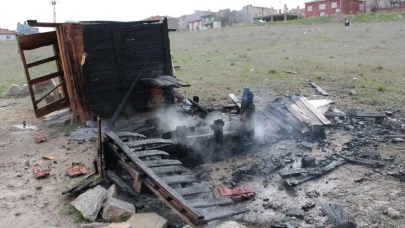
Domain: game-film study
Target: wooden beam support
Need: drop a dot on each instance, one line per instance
(46, 77)
(49, 92)
(50, 59)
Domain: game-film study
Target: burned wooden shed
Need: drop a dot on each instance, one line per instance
(96, 64)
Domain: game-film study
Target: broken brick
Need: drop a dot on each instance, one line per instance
(236, 194)
(40, 138)
(40, 173)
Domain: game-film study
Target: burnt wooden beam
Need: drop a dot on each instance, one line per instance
(124, 100)
(168, 195)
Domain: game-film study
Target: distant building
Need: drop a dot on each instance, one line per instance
(182, 24)
(249, 12)
(194, 25)
(211, 20)
(6, 34)
(331, 7)
(25, 29)
(171, 21)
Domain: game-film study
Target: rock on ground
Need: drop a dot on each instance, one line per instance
(14, 90)
(25, 89)
(83, 134)
(89, 203)
(147, 220)
(221, 224)
(115, 209)
(393, 213)
(112, 191)
(106, 225)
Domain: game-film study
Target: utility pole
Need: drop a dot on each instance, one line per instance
(54, 2)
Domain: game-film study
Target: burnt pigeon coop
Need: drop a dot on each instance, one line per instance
(97, 62)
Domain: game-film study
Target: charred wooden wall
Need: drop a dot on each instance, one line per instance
(115, 54)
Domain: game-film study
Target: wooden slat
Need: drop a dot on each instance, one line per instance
(33, 41)
(287, 118)
(46, 77)
(305, 111)
(54, 106)
(35, 23)
(317, 114)
(50, 59)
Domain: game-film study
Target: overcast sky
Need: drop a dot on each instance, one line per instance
(119, 10)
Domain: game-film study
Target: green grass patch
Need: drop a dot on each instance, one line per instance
(272, 72)
(70, 211)
(381, 88)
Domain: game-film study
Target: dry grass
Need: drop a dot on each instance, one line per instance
(11, 67)
(367, 56)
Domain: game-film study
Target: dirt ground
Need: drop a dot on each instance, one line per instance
(216, 63)
(24, 200)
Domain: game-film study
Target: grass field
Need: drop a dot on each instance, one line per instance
(367, 55)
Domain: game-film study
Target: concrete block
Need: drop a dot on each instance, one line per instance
(89, 203)
(147, 220)
(14, 90)
(115, 209)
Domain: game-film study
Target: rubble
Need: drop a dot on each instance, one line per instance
(236, 193)
(106, 225)
(38, 173)
(83, 134)
(147, 220)
(77, 169)
(337, 216)
(116, 209)
(295, 212)
(89, 203)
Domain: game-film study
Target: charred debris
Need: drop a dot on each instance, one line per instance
(120, 69)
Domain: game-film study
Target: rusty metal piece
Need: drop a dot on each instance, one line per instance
(40, 173)
(236, 194)
(40, 138)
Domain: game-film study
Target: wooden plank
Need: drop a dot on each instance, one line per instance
(46, 77)
(287, 118)
(371, 114)
(33, 41)
(35, 23)
(118, 55)
(235, 100)
(166, 44)
(50, 59)
(317, 114)
(54, 106)
(319, 89)
(305, 111)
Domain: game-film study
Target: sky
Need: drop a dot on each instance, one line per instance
(119, 10)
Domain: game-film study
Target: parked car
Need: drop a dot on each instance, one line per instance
(258, 22)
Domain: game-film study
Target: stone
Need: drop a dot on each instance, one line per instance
(58, 118)
(106, 225)
(393, 213)
(112, 191)
(25, 89)
(229, 224)
(14, 90)
(83, 134)
(115, 209)
(89, 203)
(147, 220)
(91, 124)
